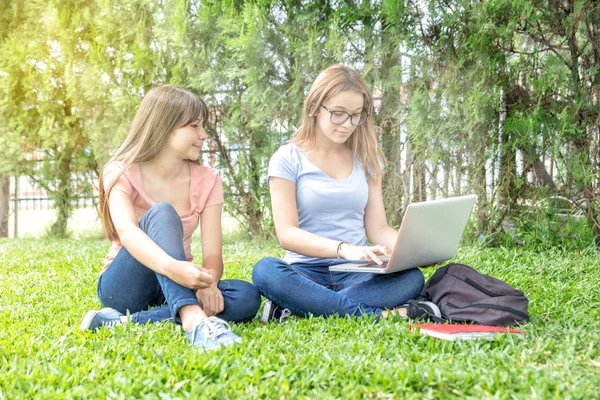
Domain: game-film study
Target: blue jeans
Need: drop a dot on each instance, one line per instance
(128, 285)
(308, 288)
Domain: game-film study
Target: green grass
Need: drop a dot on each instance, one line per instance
(46, 286)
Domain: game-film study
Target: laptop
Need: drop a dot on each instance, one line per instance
(430, 233)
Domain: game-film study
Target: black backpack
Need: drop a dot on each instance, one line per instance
(464, 295)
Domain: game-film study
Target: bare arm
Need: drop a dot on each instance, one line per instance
(211, 297)
(146, 251)
(376, 225)
(285, 216)
(212, 240)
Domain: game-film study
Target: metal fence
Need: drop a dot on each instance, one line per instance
(27, 194)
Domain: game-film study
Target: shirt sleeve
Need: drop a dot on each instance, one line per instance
(111, 174)
(284, 164)
(215, 196)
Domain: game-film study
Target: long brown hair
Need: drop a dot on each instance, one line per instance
(163, 109)
(363, 141)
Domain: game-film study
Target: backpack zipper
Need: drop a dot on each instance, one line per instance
(494, 306)
(481, 288)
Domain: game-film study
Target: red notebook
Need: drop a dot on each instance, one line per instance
(462, 332)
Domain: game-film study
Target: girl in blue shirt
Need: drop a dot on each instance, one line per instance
(327, 206)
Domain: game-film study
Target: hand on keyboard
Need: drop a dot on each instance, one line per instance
(368, 253)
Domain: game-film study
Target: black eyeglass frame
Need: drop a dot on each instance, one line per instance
(348, 115)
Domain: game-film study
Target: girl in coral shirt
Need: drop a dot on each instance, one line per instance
(153, 195)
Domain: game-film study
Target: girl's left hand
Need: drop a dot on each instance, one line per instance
(211, 299)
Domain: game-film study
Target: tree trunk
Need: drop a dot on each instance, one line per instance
(508, 165)
(407, 175)
(254, 214)
(417, 193)
(447, 172)
(483, 219)
(4, 205)
(393, 189)
(434, 186)
(458, 174)
(63, 194)
(477, 175)
(542, 177)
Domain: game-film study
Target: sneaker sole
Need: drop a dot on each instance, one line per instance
(238, 340)
(268, 312)
(228, 344)
(87, 320)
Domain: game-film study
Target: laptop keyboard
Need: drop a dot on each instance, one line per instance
(373, 264)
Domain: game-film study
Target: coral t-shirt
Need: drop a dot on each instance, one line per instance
(205, 190)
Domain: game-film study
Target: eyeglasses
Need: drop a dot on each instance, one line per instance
(340, 117)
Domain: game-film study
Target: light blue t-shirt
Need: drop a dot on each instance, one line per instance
(327, 207)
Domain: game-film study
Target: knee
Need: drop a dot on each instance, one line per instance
(249, 302)
(263, 270)
(163, 210)
(416, 279)
(162, 215)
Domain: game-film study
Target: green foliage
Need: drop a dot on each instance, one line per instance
(462, 88)
(43, 101)
(550, 222)
(492, 79)
(543, 229)
(253, 62)
(48, 285)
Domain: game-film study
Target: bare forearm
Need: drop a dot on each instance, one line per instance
(214, 266)
(384, 235)
(308, 244)
(145, 250)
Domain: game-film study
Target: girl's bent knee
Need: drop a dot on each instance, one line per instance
(163, 209)
(250, 303)
(162, 215)
(416, 278)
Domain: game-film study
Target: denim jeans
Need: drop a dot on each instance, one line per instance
(128, 285)
(308, 288)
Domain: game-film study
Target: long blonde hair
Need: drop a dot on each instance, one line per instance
(163, 109)
(363, 141)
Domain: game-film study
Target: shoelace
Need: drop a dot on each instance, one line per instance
(284, 314)
(111, 323)
(213, 327)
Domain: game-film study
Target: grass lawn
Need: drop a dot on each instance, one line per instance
(46, 286)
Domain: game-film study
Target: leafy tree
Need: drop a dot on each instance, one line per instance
(253, 62)
(9, 19)
(47, 111)
(128, 57)
(72, 88)
(524, 79)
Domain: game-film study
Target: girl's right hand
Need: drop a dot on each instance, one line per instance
(369, 253)
(190, 275)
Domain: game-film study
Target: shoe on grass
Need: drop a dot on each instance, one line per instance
(212, 333)
(272, 311)
(94, 320)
